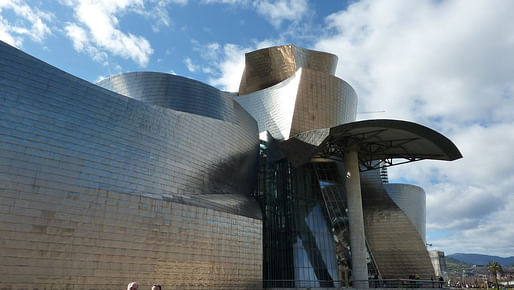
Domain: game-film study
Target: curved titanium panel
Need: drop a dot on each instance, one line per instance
(273, 107)
(110, 141)
(97, 187)
(411, 199)
(323, 101)
(308, 100)
(269, 66)
(394, 241)
(173, 92)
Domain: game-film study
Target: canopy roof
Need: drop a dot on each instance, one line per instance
(375, 140)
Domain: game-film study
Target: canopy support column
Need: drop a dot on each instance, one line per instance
(356, 220)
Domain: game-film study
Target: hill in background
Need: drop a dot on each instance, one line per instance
(456, 267)
(478, 259)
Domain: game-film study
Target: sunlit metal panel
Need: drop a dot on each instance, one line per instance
(99, 189)
(273, 107)
(411, 199)
(393, 239)
(269, 66)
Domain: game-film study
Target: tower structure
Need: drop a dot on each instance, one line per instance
(316, 153)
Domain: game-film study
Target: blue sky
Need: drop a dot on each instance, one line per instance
(445, 64)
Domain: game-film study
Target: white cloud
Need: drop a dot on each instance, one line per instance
(228, 63)
(474, 194)
(158, 11)
(448, 65)
(231, 68)
(274, 11)
(181, 2)
(189, 64)
(30, 22)
(97, 31)
(80, 39)
(281, 10)
(225, 1)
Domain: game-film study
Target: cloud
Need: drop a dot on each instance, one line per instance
(181, 2)
(230, 68)
(30, 22)
(226, 63)
(432, 52)
(158, 11)
(281, 10)
(274, 11)
(448, 65)
(97, 31)
(245, 2)
(189, 64)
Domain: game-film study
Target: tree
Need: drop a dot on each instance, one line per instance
(494, 268)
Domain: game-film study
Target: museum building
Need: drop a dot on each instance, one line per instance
(157, 178)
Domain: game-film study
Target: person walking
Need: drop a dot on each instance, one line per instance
(132, 286)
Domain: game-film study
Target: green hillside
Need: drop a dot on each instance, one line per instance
(456, 267)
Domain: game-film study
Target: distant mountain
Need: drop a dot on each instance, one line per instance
(456, 267)
(477, 259)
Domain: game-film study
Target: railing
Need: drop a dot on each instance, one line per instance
(379, 283)
(304, 284)
(405, 283)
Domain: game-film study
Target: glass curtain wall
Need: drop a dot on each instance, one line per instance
(305, 237)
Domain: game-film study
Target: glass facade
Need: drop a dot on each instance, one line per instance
(306, 237)
(305, 240)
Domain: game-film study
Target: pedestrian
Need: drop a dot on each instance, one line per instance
(156, 287)
(418, 283)
(132, 286)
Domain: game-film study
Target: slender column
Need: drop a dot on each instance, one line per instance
(356, 220)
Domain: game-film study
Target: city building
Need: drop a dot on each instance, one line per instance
(152, 177)
(439, 263)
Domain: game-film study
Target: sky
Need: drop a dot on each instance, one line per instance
(448, 65)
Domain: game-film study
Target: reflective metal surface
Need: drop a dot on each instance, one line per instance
(98, 189)
(273, 107)
(293, 95)
(269, 66)
(174, 92)
(290, 90)
(411, 199)
(396, 245)
(151, 177)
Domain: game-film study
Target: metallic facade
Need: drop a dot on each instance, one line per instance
(290, 90)
(394, 241)
(98, 189)
(411, 199)
(308, 114)
(177, 93)
(162, 179)
(269, 66)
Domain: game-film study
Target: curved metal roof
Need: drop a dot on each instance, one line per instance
(375, 140)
